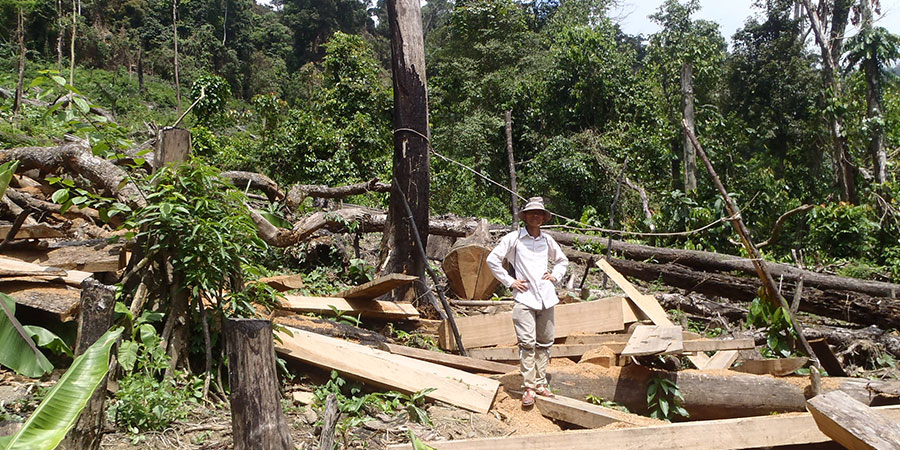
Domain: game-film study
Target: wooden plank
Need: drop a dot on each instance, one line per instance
(377, 287)
(725, 434)
(584, 414)
(59, 299)
(283, 283)
(556, 351)
(98, 257)
(380, 368)
(34, 231)
(647, 304)
(450, 360)
(497, 329)
(721, 360)
(366, 308)
(779, 367)
(826, 357)
(71, 277)
(689, 342)
(653, 340)
(852, 424)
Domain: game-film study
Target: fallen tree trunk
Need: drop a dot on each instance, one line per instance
(299, 192)
(242, 180)
(707, 395)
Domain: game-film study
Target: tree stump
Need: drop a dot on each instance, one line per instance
(257, 420)
(98, 302)
(466, 266)
(172, 145)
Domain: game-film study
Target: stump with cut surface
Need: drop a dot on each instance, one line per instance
(466, 268)
(257, 420)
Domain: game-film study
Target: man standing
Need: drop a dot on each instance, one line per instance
(529, 251)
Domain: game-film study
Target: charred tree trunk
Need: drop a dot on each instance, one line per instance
(257, 420)
(98, 302)
(687, 105)
(411, 138)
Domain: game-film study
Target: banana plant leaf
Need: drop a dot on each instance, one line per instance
(16, 352)
(56, 415)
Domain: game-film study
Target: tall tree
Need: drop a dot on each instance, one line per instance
(873, 48)
(830, 42)
(175, 43)
(411, 138)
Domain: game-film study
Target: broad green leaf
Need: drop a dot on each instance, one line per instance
(6, 172)
(276, 220)
(82, 104)
(128, 351)
(664, 407)
(58, 79)
(15, 352)
(53, 418)
(416, 443)
(122, 309)
(47, 339)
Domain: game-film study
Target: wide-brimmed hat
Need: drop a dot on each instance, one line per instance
(535, 204)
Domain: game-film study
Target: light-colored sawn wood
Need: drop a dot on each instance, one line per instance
(379, 368)
(377, 287)
(584, 414)
(726, 434)
(450, 360)
(654, 340)
(852, 424)
(778, 367)
(366, 308)
(497, 329)
(71, 277)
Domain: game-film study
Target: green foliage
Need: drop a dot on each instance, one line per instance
(16, 352)
(6, 172)
(842, 230)
(144, 403)
(417, 340)
(68, 195)
(209, 111)
(356, 406)
(600, 401)
(359, 271)
(62, 406)
(664, 399)
(779, 330)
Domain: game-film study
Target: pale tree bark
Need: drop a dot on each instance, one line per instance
(20, 37)
(512, 170)
(687, 105)
(72, 48)
(831, 47)
(873, 103)
(59, 36)
(411, 138)
(175, 42)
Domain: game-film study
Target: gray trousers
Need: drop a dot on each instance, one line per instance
(534, 331)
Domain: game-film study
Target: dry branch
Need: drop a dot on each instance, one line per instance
(242, 180)
(300, 191)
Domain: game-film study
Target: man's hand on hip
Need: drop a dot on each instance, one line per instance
(547, 276)
(519, 285)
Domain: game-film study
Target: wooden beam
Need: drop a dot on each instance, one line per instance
(446, 359)
(59, 299)
(826, 357)
(654, 340)
(96, 257)
(852, 424)
(497, 329)
(70, 277)
(584, 414)
(778, 367)
(721, 360)
(35, 231)
(690, 342)
(367, 308)
(726, 434)
(377, 287)
(379, 368)
(556, 351)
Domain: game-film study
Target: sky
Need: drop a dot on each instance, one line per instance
(729, 14)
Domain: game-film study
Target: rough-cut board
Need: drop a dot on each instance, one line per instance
(852, 424)
(826, 357)
(377, 287)
(654, 340)
(650, 307)
(726, 434)
(512, 353)
(468, 274)
(35, 231)
(366, 308)
(497, 329)
(283, 283)
(449, 360)
(584, 414)
(58, 299)
(97, 257)
(721, 360)
(71, 277)
(456, 387)
(778, 367)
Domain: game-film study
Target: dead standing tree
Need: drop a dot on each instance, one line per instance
(411, 136)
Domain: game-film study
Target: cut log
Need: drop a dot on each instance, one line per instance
(92, 257)
(367, 308)
(777, 367)
(468, 274)
(654, 340)
(377, 287)
(257, 419)
(852, 424)
(577, 350)
(34, 231)
(457, 362)
(379, 368)
(62, 300)
(586, 415)
(707, 395)
(729, 434)
(497, 329)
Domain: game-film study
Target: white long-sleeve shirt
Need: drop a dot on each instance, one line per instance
(530, 257)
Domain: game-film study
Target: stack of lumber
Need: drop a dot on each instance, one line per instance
(357, 301)
(50, 289)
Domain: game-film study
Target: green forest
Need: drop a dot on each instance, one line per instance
(798, 112)
(301, 92)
